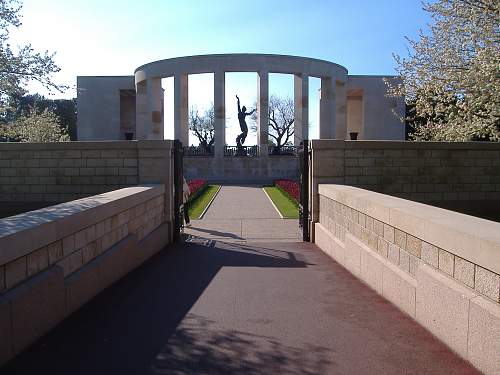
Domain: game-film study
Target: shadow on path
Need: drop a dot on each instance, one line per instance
(207, 307)
(198, 347)
(122, 330)
(215, 233)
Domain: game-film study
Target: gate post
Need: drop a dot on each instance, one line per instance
(178, 185)
(304, 215)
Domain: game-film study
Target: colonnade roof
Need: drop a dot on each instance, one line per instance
(240, 62)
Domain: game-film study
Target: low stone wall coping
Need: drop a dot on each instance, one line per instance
(24, 233)
(76, 145)
(471, 238)
(346, 144)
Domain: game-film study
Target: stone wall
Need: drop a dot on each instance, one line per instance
(59, 172)
(440, 267)
(455, 175)
(48, 173)
(55, 259)
(241, 169)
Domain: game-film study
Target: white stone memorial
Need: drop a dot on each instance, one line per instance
(124, 107)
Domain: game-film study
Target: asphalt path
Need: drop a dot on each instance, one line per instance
(207, 307)
(241, 214)
(240, 295)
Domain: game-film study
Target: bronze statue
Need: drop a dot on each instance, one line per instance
(242, 113)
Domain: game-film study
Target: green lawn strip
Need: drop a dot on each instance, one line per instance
(288, 196)
(198, 205)
(284, 205)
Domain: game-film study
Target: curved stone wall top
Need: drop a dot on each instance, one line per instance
(240, 62)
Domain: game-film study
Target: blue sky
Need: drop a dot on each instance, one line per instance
(114, 37)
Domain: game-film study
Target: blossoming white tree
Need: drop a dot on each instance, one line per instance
(36, 127)
(451, 76)
(18, 67)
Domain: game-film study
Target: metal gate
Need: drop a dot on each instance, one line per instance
(177, 154)
(304, 190)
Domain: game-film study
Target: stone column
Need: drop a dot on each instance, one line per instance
(141, 109)
(327, 109)
(220, 112)
(263, 112)
(149, 109)
(181, 111)
(341, 110)
(301, 114)
(155, 102)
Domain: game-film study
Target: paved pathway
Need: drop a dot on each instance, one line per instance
(206, 307)
(211, 307)
(244, 213)
(241, 202)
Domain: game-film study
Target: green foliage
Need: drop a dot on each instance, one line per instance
(450, 77)
(64, 109)
(35, 127)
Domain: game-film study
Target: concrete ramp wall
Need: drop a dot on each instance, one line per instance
(440, 267)
(54, 260)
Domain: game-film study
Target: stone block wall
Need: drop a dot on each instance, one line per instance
(406, 250)
(455, 174)
(34, 175)
(60, 172)
(422, 174)
(242, 169)
(440, 267)
(81, 247)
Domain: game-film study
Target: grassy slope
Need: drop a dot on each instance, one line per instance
(284, 205)
(197, 207)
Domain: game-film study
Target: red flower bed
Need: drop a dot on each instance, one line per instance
(292, 188)
(195, 186)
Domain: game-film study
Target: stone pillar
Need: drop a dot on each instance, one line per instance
(301, 111)
(149, 109)
(327, 109)
(181, 111)
(263, 112)
(220, 112)
(341, 110)
(141, 109)
(155, 102)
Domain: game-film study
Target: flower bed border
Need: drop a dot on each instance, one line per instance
(287, 195)
(198, 192)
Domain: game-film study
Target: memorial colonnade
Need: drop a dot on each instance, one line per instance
(149, 94)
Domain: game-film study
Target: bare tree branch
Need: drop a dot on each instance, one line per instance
(281, 119)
